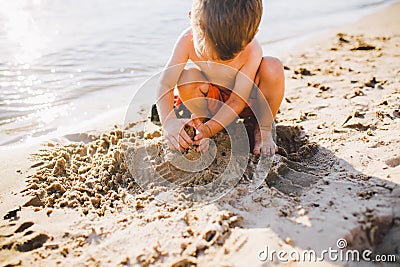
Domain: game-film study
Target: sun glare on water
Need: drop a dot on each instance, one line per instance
(21, 30)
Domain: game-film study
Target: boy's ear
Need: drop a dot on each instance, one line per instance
(190, 14)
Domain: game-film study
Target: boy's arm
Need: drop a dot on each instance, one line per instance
(170, 76)
(173, 128)
(240, 95)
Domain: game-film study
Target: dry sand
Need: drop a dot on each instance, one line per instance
(337, 176)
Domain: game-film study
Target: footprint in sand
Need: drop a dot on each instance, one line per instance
(294, 171)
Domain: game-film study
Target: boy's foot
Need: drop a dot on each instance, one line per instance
(264, 143)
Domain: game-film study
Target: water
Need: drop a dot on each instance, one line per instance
(65, 63)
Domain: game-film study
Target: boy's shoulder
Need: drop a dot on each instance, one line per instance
(251, 55)
(252, 51)
(252, 48)
(186, 37)
(184, 43)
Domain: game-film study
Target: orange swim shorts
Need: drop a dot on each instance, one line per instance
(221, 94)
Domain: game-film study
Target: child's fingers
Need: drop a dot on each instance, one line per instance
(184, 135)
(203, 146)
(190, 123)
(184, 141)
(174, 144)
(206, 146)
(187, 122)
(198, 138)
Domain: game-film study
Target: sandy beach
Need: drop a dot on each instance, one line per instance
(74, 201)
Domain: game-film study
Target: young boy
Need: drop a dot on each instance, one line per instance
(229, 61)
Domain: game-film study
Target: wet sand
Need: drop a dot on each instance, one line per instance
(74, 201)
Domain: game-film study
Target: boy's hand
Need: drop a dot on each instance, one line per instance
(264, 143)
(175, 134)
(203, 134)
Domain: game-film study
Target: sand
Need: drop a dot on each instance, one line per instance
(74, 201)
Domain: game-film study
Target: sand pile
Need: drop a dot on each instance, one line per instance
(92, 176)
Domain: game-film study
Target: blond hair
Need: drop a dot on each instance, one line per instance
(223, 28)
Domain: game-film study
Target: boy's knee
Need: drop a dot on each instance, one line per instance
(192, 83)
(186, 88)
(189, 90)
(272, 67)
(271, 75)
(190, 76)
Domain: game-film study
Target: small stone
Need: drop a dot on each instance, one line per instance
(125, 261)
(302, 212)
(51, 246)
(289, 241)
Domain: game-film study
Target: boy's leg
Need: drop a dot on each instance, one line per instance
(270, 80)
(192, 85)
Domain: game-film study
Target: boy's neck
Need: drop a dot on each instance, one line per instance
(220, 61)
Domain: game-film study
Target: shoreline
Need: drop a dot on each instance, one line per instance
(341, 178)
(302, 41)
